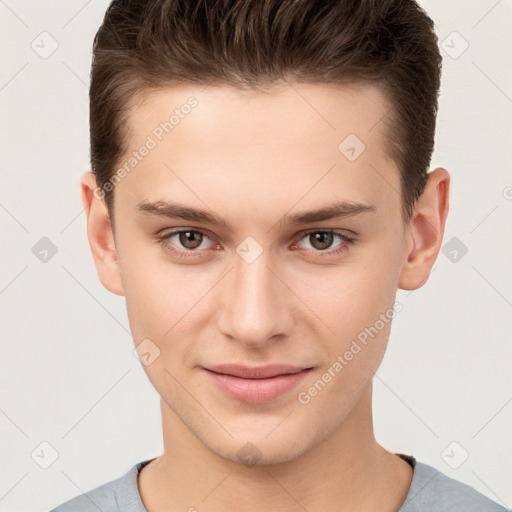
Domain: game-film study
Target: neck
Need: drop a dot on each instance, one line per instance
(348, 470)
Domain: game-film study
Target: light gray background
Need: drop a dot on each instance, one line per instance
(68, 374)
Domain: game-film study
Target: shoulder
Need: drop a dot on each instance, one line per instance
(119, 495)
(433, 491)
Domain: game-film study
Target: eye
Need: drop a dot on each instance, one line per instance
(323, 240)
(191, 242)
(189, 239)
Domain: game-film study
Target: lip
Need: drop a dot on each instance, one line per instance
(256, 385)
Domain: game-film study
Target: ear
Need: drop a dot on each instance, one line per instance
(100, 234)
(426, 230)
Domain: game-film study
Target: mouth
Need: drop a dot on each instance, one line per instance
(256, 385)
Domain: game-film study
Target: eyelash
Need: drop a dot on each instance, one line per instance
(346, 241)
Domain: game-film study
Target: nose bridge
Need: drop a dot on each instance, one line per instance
(254, 303)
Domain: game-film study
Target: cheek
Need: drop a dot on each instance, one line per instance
(352, 298)
(160, 307)
(356, 303)
(361, 318)
(158, 302)
(158, 293)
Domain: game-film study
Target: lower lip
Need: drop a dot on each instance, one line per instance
(256, 391)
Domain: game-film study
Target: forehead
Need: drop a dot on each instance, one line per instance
(290, 143)
(314, 111)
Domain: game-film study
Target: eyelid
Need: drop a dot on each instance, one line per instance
(342, 233)
(166, 234)
(346, 239)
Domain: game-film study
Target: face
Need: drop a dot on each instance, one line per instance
(289, 273)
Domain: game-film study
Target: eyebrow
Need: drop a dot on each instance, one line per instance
(172, 210)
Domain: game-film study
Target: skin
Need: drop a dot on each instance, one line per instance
(252, 158)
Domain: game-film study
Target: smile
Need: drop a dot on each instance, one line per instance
(255, 385)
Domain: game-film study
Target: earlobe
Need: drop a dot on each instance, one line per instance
(100, 235)
(426, 230)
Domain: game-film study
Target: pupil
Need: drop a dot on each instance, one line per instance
(323, 238)
(187, 239)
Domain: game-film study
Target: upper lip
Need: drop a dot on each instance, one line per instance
(260, 372)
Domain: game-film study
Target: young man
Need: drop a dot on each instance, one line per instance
(259, 193)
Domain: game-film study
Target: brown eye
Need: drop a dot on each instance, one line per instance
(321, 239)
(186, 242)
(190, 239)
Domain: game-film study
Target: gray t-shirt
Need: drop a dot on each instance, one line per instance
(430, 491)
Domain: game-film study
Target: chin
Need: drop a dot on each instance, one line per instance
(259, 451)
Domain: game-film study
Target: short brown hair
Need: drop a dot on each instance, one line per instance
(144, 44)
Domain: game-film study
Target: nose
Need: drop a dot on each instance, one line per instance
(256, 307)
